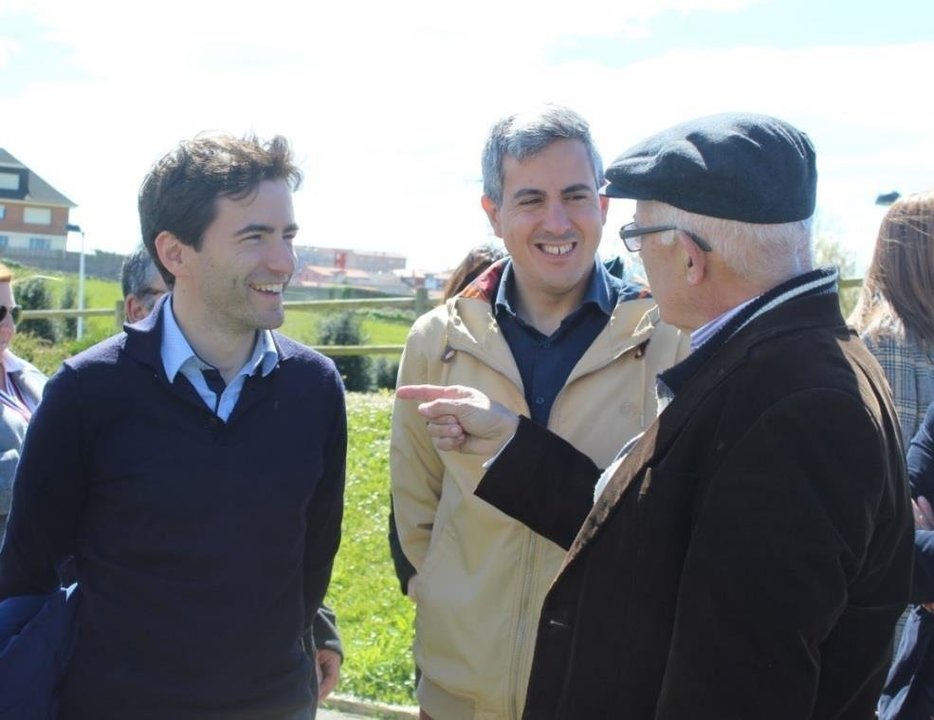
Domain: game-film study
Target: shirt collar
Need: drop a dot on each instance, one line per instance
(11, 363)
(708, 330)
(598, 292)
(176, 350)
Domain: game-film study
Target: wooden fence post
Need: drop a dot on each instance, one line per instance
(421, 301)
(118, 314)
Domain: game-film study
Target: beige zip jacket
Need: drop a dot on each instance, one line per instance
(482, 577)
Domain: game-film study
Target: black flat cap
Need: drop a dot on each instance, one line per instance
(737, 166)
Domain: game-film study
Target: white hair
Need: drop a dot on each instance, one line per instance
(766, 255)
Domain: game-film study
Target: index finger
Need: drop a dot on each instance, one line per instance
(427, 393)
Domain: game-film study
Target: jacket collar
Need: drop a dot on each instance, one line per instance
(807, 311)
(471, 327)
(602, 290)
(28, 378)
(815, 282)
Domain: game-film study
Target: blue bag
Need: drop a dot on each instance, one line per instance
(37, 635)
(909, 687)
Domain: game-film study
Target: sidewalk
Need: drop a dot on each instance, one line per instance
(343, 707)
(325, 714)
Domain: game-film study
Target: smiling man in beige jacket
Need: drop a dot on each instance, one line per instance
(549, 333)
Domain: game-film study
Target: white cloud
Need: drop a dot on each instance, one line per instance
(388, 104)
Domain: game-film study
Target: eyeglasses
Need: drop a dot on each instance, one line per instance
(631, 235)
(13, 311)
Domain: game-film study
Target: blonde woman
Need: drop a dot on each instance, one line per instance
(21, 387)
(895, 311)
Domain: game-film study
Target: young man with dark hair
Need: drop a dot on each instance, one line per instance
(193, 465)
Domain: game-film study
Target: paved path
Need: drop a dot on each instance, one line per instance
(346, 708)
(325, 714)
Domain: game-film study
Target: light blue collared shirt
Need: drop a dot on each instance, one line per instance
(705, 332)
(179, 357)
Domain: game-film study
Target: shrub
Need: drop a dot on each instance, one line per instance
(385, 371)
(344, 328)
(69, 296)
(33, 294)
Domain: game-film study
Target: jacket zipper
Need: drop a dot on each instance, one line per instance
(513, 707)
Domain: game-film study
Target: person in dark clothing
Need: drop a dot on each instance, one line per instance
(748, 556)
(142, 285)
(193, 465)
(909, 687)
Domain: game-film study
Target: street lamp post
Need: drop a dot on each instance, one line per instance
(80, 323)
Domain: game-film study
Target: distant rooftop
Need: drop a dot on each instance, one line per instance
(37, 189)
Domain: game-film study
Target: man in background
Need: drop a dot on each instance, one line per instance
(142, 285)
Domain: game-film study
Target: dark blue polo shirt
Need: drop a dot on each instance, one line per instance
(545, 362)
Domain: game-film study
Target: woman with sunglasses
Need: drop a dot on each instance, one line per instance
(21, 387)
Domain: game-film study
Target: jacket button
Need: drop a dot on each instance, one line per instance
(554, 625)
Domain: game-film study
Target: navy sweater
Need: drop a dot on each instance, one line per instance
(203, 549)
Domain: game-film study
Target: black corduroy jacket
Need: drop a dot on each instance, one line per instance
(749, 557)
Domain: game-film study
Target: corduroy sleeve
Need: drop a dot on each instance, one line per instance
(543, 481)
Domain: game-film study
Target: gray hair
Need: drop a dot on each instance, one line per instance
(137, 275)
(765, 254)
(522, 135)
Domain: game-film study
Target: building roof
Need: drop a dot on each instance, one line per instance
(38, 190)
(349, 273)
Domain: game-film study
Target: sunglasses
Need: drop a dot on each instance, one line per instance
(14, 313)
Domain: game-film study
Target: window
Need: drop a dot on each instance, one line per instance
(9, 181)
(37, 216)
(39, 243)
(4, 241)
(2, 211)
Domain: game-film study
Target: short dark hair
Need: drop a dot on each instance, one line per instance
(137, 272)
(180, 191)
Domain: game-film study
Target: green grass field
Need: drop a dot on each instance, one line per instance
(375, 619)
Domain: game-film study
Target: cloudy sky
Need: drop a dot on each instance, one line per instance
(387, 103)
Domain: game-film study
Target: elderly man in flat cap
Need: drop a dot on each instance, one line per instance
(748, 556)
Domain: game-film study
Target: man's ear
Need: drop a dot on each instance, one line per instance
(133, 309)
(695, 260)
(171, 252)
(492, 212)
(604, 207)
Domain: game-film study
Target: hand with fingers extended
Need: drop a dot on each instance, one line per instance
(462, 418)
